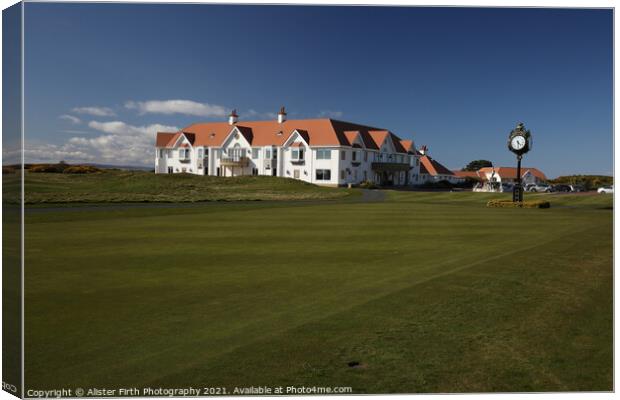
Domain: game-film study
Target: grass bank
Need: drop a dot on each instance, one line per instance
(113, 186)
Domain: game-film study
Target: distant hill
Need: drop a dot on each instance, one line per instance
(125, 167)
(102, 166)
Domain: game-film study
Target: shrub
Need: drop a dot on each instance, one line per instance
(523, 204)
(45, 168)
(81, 169)
(367, 185)
(8, 170)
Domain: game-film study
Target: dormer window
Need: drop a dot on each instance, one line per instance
(184, 154)
(297, 154)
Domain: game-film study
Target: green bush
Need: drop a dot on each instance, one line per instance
(81, 169)
(367, 185)
(524, 204)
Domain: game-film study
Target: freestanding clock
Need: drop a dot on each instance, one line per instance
(519, 142)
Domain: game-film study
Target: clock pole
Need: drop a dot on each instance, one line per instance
(517, 192)
(519, 142)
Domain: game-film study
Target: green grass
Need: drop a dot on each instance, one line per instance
(430, 292)
(113, 186)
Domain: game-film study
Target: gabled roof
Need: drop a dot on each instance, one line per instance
(511, 172)
(316, 132)
(407, 145)
(467, 174)
(433, 167)
(164, 138)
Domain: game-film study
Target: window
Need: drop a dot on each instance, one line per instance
(365, 156)
(184, 154)
(268, 154)
(254, 171)
(355, 175)
(275, 154)
(297, 154)
(343, 155)
(323, 154)
(255, 153)
(365, 175)
(200, 153)
(354, 155)
(296, 174)
(161, 153)
(342, 174)
(323, 174)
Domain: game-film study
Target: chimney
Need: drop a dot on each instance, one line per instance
(281, 115)
(423, 150)
(233, 117)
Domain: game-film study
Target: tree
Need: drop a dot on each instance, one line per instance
(477, 164)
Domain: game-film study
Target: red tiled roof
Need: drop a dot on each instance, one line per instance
(163, 138)
(433, 167)
(511, 172)
(466, 174)
(317, 132)
(407, 145)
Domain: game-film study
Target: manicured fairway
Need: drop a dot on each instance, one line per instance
(429, 292)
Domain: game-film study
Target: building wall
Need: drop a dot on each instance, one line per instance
(343, 169)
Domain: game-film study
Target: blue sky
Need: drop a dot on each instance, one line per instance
(100, 77)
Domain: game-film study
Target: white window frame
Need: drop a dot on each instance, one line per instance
(323, 154)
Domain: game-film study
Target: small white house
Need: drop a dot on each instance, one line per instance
(432, 170)
(321, 151)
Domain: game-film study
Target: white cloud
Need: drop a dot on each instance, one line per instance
(52, 153)
(96, 111)
(330, 114)
(70, 118)
(120, 144)
(187, 107)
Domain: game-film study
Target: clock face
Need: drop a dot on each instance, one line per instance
(517, 142)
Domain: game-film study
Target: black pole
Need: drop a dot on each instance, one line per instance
(519, 170)
(517, 193)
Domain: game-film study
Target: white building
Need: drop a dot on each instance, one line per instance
(432, 170)
(492, 178)
(320, 151)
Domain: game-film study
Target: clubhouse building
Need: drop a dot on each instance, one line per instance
(320, 151)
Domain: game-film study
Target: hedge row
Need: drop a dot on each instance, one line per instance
(523, 204)
(64, 168)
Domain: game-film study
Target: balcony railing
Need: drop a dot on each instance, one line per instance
(235, 161)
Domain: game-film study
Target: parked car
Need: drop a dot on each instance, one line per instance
(560, 188)
(540, 187)
(577, 188)
(507, 187)
(606, 189)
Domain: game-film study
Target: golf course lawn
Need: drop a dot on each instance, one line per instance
(428, 292)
